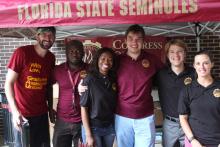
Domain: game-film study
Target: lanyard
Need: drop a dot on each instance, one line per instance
(73, 83)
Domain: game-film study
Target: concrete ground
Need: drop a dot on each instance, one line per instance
(1, 142)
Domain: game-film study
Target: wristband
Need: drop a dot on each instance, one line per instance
(191, 139)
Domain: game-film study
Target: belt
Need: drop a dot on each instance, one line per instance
(173, 119)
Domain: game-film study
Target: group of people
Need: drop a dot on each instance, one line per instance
(114, 100)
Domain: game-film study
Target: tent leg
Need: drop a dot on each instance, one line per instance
(198, 43)
(197, 30)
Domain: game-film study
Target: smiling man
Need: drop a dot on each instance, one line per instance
(170, 80)
(67, 75)
(26, 86)
(134, 120)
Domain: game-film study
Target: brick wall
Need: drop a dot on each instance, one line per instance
(208, 41)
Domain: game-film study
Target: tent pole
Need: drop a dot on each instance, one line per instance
(198, 43)
(197, 30)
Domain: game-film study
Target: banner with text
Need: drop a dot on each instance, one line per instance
(26, 13)
(154, 45)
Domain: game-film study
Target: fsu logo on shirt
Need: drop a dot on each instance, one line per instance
(145, 63)
(83, 74)
(216, 93)
(187, 80)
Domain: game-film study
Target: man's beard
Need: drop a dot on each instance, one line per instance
(45, 44)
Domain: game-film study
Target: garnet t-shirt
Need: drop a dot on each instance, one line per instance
(34, 73)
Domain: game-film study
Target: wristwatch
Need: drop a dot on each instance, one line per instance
(191, 139)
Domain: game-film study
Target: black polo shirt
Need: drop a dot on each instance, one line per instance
(169, 85)
(202, 104)
(100, 98)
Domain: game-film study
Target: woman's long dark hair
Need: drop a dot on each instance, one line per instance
(94, 69)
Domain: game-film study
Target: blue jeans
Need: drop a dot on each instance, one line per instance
(39, 132)
(104, 136)
(66, 133)
(135, 132)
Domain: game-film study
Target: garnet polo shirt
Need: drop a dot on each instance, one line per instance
(202, 105)
(134, 85)
(169, 85)
(65, 109)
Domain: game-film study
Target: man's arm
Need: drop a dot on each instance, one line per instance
(11, 77)
(81, 88)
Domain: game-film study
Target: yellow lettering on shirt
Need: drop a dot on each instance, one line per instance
(35, 83)
(35, 68)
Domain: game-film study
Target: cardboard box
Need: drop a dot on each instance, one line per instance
(158, 114)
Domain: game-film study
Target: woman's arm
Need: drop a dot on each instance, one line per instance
(85, 120)
(188, 131)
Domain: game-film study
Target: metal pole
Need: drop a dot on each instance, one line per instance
(197, 30)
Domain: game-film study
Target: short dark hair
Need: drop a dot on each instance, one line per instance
(205, 52)
(135, 29)
(95, 69)
(46, 29)
(75, 44)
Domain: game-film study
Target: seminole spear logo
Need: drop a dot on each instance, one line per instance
(90, 48)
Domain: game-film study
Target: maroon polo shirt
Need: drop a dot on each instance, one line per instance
(134, 83)
(65, 109)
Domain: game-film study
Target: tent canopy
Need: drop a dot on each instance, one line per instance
(165, 29)
(109, 17)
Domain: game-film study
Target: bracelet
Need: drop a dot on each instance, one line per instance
(191, 139)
